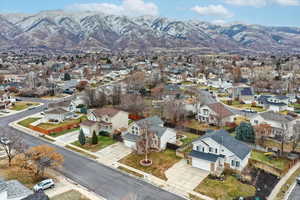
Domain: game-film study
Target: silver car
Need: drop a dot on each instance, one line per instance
(44, 185)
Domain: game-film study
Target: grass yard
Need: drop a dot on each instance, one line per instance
(18, 106)
(193, 197)
(103, 141)
(63, 132)
(28, 121)
(287, 147)
(161, 162)
(279, 163)
(130, 172)
(199, 126)
(49, 126)
(237, 104)
(70, 195)
(228, 189)
(189, 137)
(287, 185)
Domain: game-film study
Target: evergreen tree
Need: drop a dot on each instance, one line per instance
(245, 132)
(81, 137)
(94, 138)
(67, 77)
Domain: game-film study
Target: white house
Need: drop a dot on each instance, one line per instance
(217, 150)
(155, 126)
(6, 100)
(219, 83)
(280, 123)
(215, 113)
(58, 115)
(275, 103)
(88, 127)
(109, 119)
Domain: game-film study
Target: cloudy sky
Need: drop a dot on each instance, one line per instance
(265, 12)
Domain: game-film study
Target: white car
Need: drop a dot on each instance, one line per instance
(43, 185)
(4, 140)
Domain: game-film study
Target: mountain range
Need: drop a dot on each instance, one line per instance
(67, 30)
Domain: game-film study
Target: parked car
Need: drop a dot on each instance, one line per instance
(44, 185)
(4, 140)
(31, 108)
(18, 99)
(298, 180)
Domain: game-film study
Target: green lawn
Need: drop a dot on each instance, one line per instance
(161, 162)
(70, 195)
(279, 163)
(18, 106)
(228, 189)
(199, 126)
(103, 141)
(50, 126)
(237, 104)
(28, 121)
(63, 132)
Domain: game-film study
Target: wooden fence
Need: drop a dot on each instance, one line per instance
(54, 130)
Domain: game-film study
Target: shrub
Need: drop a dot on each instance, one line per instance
(104, 133)
(94, 138)
(81, 137)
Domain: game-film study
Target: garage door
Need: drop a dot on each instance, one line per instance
(201, 164)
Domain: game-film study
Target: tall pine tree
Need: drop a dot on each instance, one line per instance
(94, 138)
(81, 137)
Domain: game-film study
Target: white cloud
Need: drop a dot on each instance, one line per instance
(262, 3)
(219, 22)
(213, 10)
(127, 7)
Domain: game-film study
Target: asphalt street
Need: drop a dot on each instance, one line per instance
(104, 181)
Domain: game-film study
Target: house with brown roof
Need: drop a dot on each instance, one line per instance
(215, 114)
(109, 119)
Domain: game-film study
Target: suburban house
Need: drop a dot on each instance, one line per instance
(13, 190)
(219, 83)
(6, 100)
(215, 113)
(66, 105)
(217, 150)
(243, 93)
(108, 120)
(88, 127)
(57, 115)
(274, 103)
(161, 135)
(280, 123)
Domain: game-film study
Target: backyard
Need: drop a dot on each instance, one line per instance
(49, 126)
(228, 189)
(279, 163)
(189, 137)
(161, 162)
(103, 141)
(194, 124)
(18, 106)
(70, 195)
(237, 104)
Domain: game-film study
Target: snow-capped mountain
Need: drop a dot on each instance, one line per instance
(90, 30)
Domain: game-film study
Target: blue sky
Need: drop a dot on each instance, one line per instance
(265, 12)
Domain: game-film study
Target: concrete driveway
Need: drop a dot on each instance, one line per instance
(69, 137)
(185, 175)
(113, 153)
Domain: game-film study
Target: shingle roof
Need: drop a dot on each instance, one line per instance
(88, 123)
(205, 156)
(272, 116)
(57, 111)
(130, 137)
(16, 190)
(3, 186)
(222, 137)
(37, 196)
(106, 111)
(246, 91)
(155, 120)
(220, 109)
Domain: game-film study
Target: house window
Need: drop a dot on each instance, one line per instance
(216, 150)
(256, 121)
(197, 148)
(210, 149)
(203, 149)
(237, 164)
(232, 163)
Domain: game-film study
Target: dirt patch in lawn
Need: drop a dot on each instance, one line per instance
(70, 195)
(162, 161)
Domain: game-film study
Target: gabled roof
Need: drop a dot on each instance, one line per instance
(222, 137)
(57, 111)
(205, 156)
(150, 121)
(106, 111)
(16, 190)
(220, 109)
(277, 117)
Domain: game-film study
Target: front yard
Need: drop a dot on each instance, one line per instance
(28, 121)
(63, 132)
(103, 141)
(18, 106)
(279, 163)
(70, 195)
(189, 137)
(161, 162)
(237, 104)
(228, 189)
(194, 124)
(49, 126)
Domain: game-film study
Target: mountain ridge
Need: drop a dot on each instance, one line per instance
(91, 31)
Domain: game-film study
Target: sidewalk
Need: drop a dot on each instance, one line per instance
(282, 181)
(176, 189)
